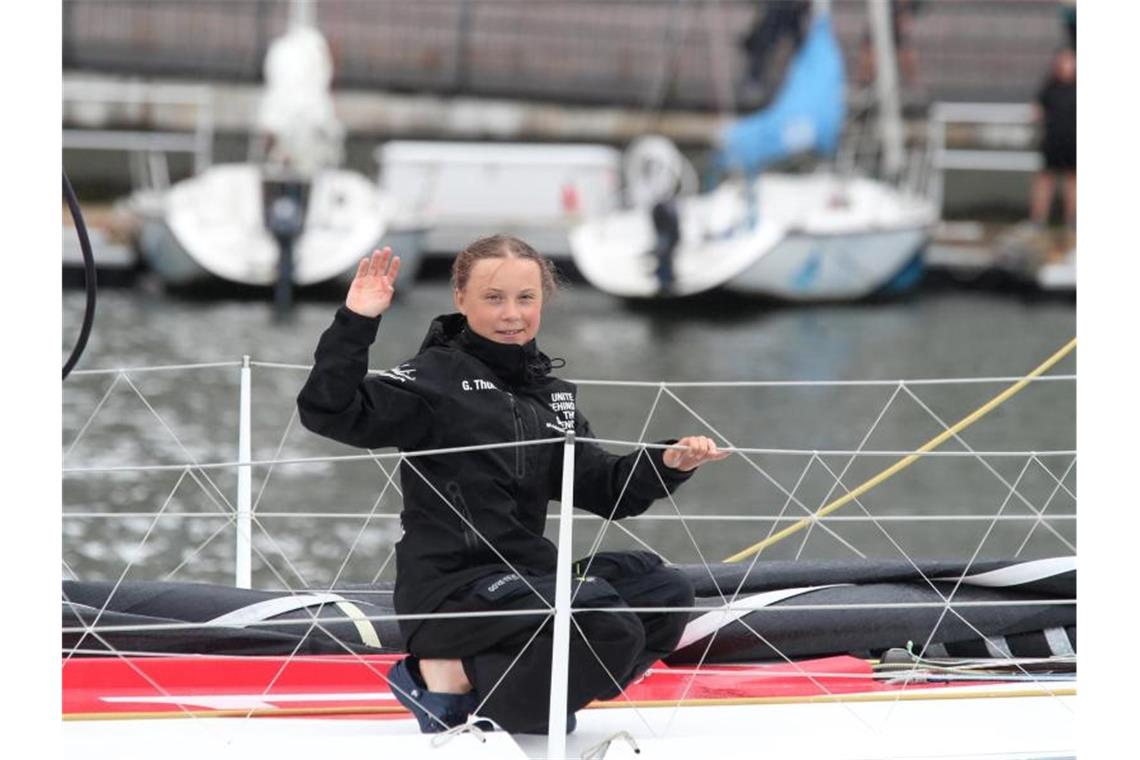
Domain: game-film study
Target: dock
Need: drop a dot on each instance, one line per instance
(1004, 256)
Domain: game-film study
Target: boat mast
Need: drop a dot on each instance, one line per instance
(303, 13)
(887, 89)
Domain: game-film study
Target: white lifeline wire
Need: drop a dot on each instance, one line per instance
(883, 453)
(178, 441)
(1069, 516)
(389, 476)
(1045, 506)
(866, 437)
(123, 657)
(1060, 481)
(482, 538)
(727, 604)
(823, 383)
(948, 607)
(993, 380)
(314, 614)
(607, 521)
(130, 564)
(1039, 515)
(764, 473)
(91, 417)
(991, 469)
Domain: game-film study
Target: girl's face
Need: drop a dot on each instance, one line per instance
(502, 299)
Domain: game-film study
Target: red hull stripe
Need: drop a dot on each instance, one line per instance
(348, 685)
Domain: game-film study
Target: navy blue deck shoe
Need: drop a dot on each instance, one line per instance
(434, 710)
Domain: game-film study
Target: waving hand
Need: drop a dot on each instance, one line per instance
(371, 291)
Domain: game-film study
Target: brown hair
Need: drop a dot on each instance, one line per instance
(502, 247)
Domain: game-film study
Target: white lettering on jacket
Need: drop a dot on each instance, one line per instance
(477, 385)
(562, 404)
(403, 373)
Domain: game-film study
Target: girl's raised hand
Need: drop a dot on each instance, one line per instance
(371, 291)
(698, 450)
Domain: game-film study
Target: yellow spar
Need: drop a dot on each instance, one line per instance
(909, 459)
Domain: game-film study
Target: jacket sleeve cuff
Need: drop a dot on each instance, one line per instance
(356, 327)
(671, 476)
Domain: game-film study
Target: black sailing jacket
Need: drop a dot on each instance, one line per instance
(462, 390)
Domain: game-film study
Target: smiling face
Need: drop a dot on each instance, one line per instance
(502, 299)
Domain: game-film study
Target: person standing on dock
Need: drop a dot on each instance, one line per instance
(1056, 110)
(473, 521)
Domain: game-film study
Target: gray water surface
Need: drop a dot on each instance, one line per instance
(175, 523)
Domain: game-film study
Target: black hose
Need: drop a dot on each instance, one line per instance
(89, 277)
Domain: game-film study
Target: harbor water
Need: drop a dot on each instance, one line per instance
(322, 522)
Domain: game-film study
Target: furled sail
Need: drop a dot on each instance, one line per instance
(806, 115)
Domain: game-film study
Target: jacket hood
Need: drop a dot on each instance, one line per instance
(512, 363)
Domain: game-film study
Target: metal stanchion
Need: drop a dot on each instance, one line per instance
(243, 576)
(560, 658)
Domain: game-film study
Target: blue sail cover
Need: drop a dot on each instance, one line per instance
(807, 114)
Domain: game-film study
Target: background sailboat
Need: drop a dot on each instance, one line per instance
(232, 221)
(806, 237)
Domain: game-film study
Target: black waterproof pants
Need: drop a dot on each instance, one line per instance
(608, 650)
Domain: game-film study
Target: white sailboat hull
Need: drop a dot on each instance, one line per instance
(211, 227)
(613, 252)
(987, 725)
(817, 237)
(846, 266)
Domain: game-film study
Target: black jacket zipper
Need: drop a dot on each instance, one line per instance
(470, 538)
(520, 436)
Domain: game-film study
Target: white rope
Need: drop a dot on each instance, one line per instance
(764, 473)
(820, 383)
(130, 563)
(610, 675)
(608, 520)
(637, 518)
(277, 455)
(949, 607)
(851, 460)
(316, 460)
(510, 565)
(992, 471)
(154, 368)
(338, 618)
(629, 383)
(1045, 506)
(543, 441)
(1061, 480)
(195, 470)
(91, 418)
(176, 439)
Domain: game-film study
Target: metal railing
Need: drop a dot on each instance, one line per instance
(243, 513)
(1014, 120)
(136, 102)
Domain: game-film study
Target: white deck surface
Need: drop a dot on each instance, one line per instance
(1006, 727)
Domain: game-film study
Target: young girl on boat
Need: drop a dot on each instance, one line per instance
(473, 521)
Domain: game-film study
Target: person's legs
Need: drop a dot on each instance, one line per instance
(662, 587)
(508, 664)
(445, 676)
(512, 681)
(1069, 189)
(1041, 197)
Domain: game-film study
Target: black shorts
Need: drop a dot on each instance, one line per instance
(1060, 154)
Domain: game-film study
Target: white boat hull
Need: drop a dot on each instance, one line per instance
(211, 227)
(985, 725)
(614, 252)
(816, 237)
(841, 267)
